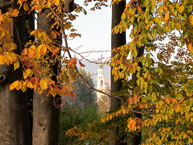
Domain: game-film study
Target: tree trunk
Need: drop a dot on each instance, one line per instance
(14, 120)
(45, 114)
(14, 114)
(116, 41)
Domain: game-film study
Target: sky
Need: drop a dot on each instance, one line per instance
(95, 28)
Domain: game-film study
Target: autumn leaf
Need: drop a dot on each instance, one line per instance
(16, 65)
(31, 53)
(166, 17)
(34, 80)
(57, 2)
(191, 19)
(81, 64)
(148, 77)
(11, 46)
(27, 73)
(129, 65)
(141, 106)
(167, 100)
(25, 7)
(15, 13)
(42, 49)
(53, 34)
(24, 52)
(72, 62)
(130, 101)
(15, 85)
(43, 84)
(2, 33)
(135, 99)
(190, 47)
(55, 51)
(173, 100)
(29, 84)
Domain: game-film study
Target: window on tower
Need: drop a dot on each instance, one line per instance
(101, 83)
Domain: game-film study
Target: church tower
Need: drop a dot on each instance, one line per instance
(100, 80)
(102, 100)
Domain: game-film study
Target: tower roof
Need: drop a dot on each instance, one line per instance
(100, 66)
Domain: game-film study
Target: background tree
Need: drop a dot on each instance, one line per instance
(79, 112)
(84, 96)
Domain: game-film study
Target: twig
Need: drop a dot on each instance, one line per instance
(81, 77)
(87, 84)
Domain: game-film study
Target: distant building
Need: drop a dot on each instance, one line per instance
(103, 85)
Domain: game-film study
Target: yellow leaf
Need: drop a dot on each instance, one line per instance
(15, 85)
(42, 49)
(25, 7)
(2, 33)
(2, 60)
(181, 8)
(16, 65)
(43, 84)
(27, 73)
(29, 85)
(11, 46)
(191, 19)
(47, 5)
(167, 17)
(57, 2)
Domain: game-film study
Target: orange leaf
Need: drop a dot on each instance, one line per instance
(167, 17)
(130, 101)
(173, 100)
(53, 35)
(15, 13)
(167, 101)
(72, 62)
(141, 106)
(148, 76)
(24, 52)
(129, 65)
(132, 125)
(55, 51)
(190, 47)
(135, 99)
(31, 53)
(81, 64)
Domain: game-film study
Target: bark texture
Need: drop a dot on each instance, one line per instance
(14, 114)
(45, 114)
(14, 120)
(116, 41)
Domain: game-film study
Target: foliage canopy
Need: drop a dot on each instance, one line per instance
(162, 92)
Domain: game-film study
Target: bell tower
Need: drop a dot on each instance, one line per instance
(100, 80)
